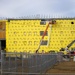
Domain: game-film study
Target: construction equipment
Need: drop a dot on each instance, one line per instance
(71, 44)
(67, 48)
(72, 51)
(49, 24)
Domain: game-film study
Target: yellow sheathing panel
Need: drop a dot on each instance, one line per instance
(24, 35)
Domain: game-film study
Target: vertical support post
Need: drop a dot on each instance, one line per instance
(22, 62)
(15, 62)
(0, 45)
(0, 50)
(41, 64)
(1, 62)
(36, 63)
(9, 60)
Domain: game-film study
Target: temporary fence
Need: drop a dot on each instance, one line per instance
(26, 63)
(32, 64)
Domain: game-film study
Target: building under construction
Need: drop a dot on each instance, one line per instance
(24, 35)
(37, 46)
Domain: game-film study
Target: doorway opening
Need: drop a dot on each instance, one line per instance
(3, 44)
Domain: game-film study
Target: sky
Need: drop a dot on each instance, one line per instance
(38, 8)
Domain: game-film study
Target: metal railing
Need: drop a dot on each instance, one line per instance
(27, 64)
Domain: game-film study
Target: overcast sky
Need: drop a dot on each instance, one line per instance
(21, 8)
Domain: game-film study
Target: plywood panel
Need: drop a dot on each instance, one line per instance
(2, 34)
(3, 25)
(0, 25)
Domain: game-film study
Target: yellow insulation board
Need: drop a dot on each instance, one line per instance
(24, 35)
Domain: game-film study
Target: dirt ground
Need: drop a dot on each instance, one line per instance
(63, 67)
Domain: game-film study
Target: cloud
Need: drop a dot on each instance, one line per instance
(18, 8)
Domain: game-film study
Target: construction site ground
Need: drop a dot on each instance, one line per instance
(65, 67)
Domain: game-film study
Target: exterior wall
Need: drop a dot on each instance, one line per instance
(25, 35)
(2, 29)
